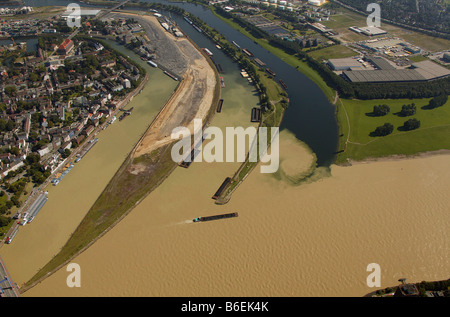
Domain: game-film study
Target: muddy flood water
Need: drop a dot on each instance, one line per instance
(293, 237)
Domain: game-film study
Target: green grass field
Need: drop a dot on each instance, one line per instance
(335, 51)
(431, 136)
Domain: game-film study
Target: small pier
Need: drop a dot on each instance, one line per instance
(125, 113)
(221, 188)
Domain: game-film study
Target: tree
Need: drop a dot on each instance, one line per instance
(10, 90)
(408, 110)
(411, 124)
(438, 101)
(381, 110)
(4, 221)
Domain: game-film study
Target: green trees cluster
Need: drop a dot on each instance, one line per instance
(433, 286)
(381, 110)
(383, 130)
(6, 126)
(411, 124)
(408, 110)
(438, 101)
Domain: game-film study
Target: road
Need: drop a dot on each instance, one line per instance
(7, 286)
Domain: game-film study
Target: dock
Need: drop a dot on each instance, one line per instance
(216, 217)
(36, 207)
(256, 115)
(87, 148)
(219, 105)
(221, 188)
(61, 175)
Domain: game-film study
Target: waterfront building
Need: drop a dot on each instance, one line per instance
(65, 47)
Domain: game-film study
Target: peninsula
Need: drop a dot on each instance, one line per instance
(150, 162)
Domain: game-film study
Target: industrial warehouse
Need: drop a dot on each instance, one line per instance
(379, 70)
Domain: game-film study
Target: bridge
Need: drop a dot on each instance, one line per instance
(107, 11)
(7, 287)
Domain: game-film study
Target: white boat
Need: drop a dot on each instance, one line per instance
(208, 52)
(152, 63)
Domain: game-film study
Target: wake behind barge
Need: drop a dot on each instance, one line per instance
(216, 217)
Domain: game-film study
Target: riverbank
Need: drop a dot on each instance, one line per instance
(145, 169)
(357, 123)
(286, 235)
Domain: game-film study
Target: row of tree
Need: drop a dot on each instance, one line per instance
(388, 128)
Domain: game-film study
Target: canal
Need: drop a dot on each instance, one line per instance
(310, 116)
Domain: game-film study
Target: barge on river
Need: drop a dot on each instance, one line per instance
(216, 217)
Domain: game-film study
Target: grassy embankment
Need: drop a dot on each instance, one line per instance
(359, 145)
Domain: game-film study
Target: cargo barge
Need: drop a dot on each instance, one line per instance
(66, 170)
(259, 62)
(271, 72)
(37, 206)
(188, 21)
(10, 238)
(170, 75)
(283, 84)
(86, 149)
(219, 105)
(221, 188)
(125, 113)
(222, 82)
(246, 51)
(194, 152)
(256, 115)
(236, 44)
(216, 217)
(197, 28)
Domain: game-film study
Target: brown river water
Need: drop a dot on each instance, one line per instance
(293, 237)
